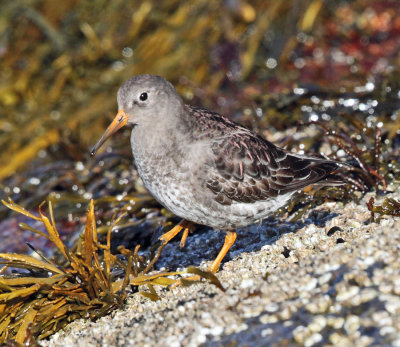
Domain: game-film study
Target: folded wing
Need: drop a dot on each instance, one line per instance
(247, 168)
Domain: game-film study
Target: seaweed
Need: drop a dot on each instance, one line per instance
(45, 295)
(389, 207)
(365, 173)
(364, 162)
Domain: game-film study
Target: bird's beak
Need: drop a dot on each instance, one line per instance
(119, 121)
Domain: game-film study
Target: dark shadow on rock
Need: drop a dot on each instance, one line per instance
(205, 243)
(260, 332)
(257, 334)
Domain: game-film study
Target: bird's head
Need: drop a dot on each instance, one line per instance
(145, 101)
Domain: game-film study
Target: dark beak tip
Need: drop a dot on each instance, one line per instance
(119, 121)
(93, 151)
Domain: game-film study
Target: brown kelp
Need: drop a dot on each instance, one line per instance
(45, 294)
(389, 207)
(365, 174)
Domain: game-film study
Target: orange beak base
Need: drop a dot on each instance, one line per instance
(119, 121)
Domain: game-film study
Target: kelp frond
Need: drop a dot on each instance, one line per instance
(37, 303)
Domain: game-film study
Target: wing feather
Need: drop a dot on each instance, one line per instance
(247, 168)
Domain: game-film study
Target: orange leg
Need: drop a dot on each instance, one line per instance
(230, 239)
(184, 236)
(184, 225)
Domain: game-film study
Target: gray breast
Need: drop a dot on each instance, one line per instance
(176, 174)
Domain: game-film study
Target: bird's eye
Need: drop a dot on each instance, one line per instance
(143, 97)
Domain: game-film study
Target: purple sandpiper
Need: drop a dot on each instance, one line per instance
(205, 168)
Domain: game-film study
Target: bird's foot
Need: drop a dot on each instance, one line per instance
(213, 269)
(184, 225)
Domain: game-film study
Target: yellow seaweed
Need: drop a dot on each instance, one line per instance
(82, 286)
(28, 152)
(29, 261)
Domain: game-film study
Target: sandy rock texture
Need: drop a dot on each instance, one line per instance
(332, 279)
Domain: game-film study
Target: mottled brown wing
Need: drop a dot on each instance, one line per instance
(247, 168)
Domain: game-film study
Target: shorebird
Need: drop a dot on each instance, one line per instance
(204, 167)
